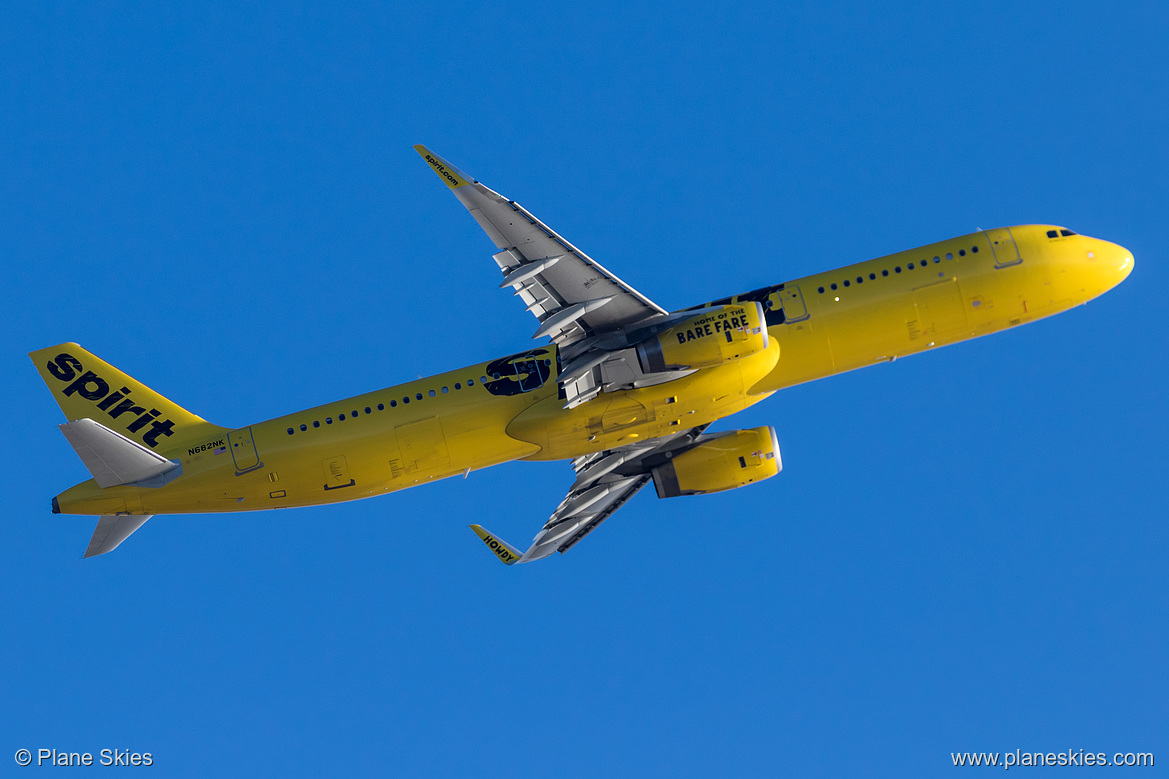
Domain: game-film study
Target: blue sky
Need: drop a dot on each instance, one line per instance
(965, 552)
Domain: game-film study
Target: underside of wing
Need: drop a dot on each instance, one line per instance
(570, 294)
(604, 483)
(586, 310)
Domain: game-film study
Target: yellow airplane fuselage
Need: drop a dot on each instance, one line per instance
(468, 419)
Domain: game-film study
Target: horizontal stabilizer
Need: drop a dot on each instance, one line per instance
(503, 550)
(113, 529)
(113, 459)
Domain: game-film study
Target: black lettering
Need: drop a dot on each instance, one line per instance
(165, 427)
(113, 398)
(681, 338)
(142, 420)
(62, 367)
(100, 388)
(123, 407)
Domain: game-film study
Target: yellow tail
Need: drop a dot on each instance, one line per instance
(87, 387)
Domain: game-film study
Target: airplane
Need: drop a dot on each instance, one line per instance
(625, 390)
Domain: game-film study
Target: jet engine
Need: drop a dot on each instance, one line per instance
(711, 337)
(722, 462)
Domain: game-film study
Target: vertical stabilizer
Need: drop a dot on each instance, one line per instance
(87, 387)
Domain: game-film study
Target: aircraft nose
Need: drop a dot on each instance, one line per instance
(1116, 261)
(1124, 263)
(1104, 265)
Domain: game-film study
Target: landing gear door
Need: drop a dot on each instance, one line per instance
(1002, 243)
(792, 300)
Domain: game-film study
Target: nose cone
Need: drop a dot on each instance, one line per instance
(1113, 263)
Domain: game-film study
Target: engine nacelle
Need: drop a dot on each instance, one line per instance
(711, 337)
(734, 459)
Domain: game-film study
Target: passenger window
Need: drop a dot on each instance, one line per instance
(885, 273)
(872, 277)
(961, 252)
(445, 390)
(405, 400)
(833, 285)
(897, 269)
(909, 266)
(949, 255)
(860, 279)
(341, 418)
(367, 410)
(974, 249)
(937, 259)
(381, 406)
(470, 382)
(418, 395)
(290, 431)
(457, 386)
(328, 420)
(846, 282)
(821, 290)
(316, 423)
(303, 428)
(431, 393)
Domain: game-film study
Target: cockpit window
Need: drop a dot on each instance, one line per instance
(1066, 232)
(1053, 234)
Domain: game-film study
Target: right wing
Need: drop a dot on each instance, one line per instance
(604, 482)
(568, 292)
(586, 310)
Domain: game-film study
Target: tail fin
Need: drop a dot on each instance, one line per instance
(87, 387)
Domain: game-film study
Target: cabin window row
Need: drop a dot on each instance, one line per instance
(897, 269)
(393, 404)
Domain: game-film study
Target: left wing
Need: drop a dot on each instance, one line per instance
(604, 482)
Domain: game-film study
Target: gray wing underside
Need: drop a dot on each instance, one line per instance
(570, 294)
(605, 481)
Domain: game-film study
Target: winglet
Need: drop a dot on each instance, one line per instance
(503, 550)
(453, 177)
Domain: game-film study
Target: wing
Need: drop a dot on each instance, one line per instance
(570, 294)
(576, 301)
(604, 483)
